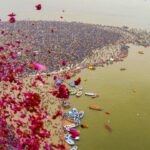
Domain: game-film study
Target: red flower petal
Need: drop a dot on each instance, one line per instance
(38, 7)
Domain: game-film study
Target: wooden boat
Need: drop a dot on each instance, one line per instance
(140, 52)
(90, 94)
(84, 125)
(95, 107)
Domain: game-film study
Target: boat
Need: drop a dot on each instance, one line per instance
(74, 116)
(76, 138)
(84, 125)
(75, 110)
(79, 93)
(90, 94)
(122, 69)
(95, 107)
(70, 119)
(91, 67)
(74, 148)
(66, 115)
(71, 114)
(69, 140)
(77, 121)
(67, 104)
(72, 84)
(81, 114)
(140, 52)
(80, 88)
(58, 82)
(75, 135)
(95, 96)
(73, 92)
(69, 126)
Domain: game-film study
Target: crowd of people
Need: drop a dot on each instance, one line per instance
(50, 42)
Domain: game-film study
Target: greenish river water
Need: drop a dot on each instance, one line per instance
(126, 95)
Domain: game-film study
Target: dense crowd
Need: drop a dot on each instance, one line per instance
(50, 42)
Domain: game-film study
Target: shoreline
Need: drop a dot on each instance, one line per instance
(94, 60)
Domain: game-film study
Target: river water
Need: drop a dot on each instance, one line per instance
(126, 95)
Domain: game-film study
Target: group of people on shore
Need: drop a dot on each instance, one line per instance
(49, 43)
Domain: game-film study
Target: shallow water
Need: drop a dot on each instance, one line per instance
(126, 95)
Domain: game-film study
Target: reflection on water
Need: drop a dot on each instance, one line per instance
(125, 94)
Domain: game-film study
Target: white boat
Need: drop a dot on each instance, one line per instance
(74, 148)
(79, 93)
(75, 110)
(80, 88)
(69, 126)
(81, 114)
(90, 94)
(68, 139)
(77, 138)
